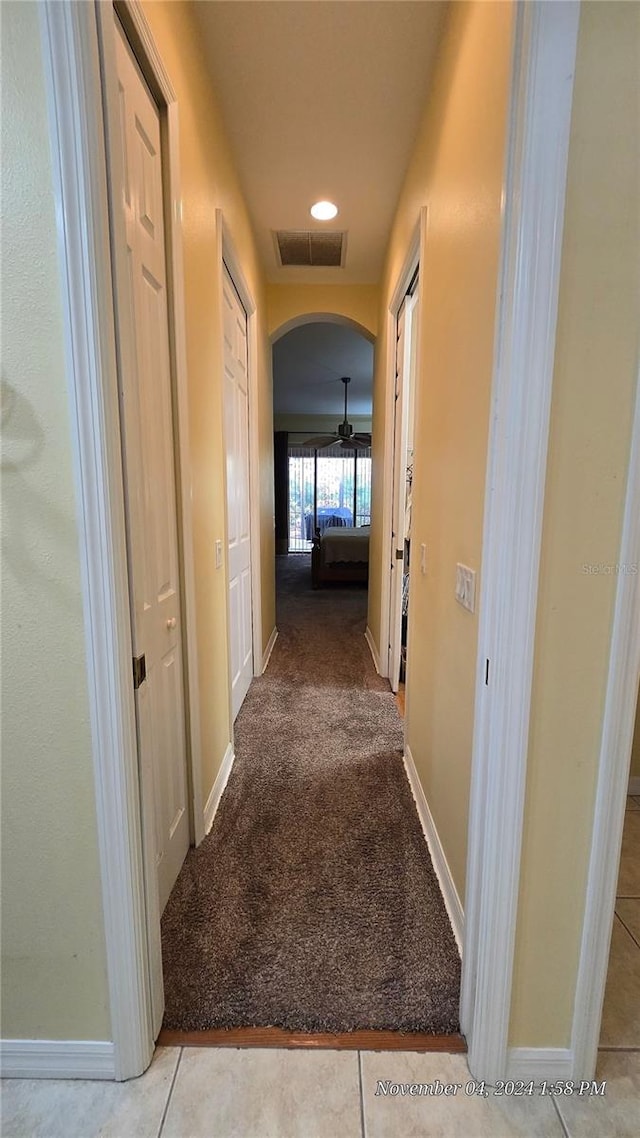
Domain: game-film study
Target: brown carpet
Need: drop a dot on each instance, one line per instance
(312, 905)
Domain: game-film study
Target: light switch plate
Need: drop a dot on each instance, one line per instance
(218, 553)
(466, 587)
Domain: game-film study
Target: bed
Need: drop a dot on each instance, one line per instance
(340, 553)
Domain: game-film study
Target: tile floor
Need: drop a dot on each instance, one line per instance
(256, 1093)
(196, 1092)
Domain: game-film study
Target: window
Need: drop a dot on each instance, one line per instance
(327, 487)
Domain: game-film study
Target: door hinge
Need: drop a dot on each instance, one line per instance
(139, 671)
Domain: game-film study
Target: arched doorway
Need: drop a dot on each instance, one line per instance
(323, 385)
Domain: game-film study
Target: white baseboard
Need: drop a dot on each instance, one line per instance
(57, 1059)
(440, 863)
(368, 635)
(542, 1064)
(634, 784)
(213, 801)
(268, 650)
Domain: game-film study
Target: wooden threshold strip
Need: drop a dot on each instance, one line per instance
(342, 1041)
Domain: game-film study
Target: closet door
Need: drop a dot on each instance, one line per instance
(236, 410)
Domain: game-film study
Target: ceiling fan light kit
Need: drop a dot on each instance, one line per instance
(344, 436)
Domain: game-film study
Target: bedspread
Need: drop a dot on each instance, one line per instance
(345, 543)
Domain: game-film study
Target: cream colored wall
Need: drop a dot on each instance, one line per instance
(288, 302)
(53, 953)
(456, 170)
(209, 182)
(596, 367)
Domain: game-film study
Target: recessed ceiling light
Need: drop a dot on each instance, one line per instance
(324, 211)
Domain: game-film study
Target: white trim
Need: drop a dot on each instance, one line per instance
(217, 790)
(413, 256)
(450, 894)
(634, 784)
(613, 778)
(74, 95)
(544, 52)
(135, 23)
(137, 30)
(57, 1059)
(131, 13)
(540, 1064)
(229, 257)
(268, 650)
(368, 635)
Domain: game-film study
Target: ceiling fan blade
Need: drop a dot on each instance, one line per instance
(321, 441)
(358, 442)
(353, 444)
(363, 437)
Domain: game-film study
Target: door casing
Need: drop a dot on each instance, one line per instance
(227, 257)
(403, 431)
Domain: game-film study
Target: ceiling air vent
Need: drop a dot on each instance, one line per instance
(315, 249)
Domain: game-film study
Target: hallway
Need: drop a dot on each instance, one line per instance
(490, 146)
(312, 905)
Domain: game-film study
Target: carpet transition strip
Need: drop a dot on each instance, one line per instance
(345, 1041)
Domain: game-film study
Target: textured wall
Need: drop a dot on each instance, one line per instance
(457, 169)
(53, 954)
(356, 302)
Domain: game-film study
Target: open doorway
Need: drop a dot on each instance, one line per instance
(306, 932)
(323, 378)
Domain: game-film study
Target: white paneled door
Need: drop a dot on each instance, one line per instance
(236, 410)
(150, 484)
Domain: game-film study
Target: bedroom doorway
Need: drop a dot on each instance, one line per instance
(323, 384)
(403, 559)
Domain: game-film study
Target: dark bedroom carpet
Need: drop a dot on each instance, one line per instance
(312, 905)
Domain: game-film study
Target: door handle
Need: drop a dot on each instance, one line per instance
(172, 622)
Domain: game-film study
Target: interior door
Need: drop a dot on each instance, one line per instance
(236, 408)
(147, 415)
(406, 355)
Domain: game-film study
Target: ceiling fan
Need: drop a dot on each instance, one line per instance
(345, 435)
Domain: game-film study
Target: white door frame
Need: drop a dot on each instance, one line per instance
(414, 257)
(544, 54)
(542, 84)
(404, 417)
(227, 256)
(71, 34)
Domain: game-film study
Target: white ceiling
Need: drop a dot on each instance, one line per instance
(308, 363)
(322, 99)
